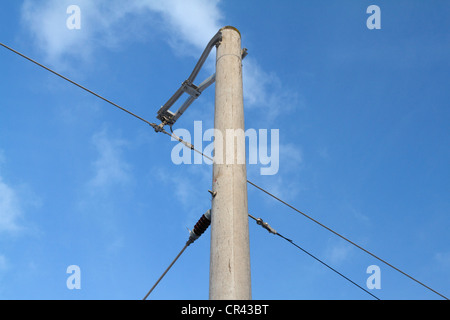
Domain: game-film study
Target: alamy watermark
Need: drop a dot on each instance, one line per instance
(73, 22)
(229, 147)
(74, 280)
(374, 21)
(374, 280)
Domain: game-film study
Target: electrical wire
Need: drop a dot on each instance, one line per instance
(78, 85)
(349, 241)
(168, 268)
(153, 125)
(159, 129)
(200, 227)
(187, 144)
(192, 147)
(273, 231)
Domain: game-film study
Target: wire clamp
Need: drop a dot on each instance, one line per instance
(263, 224)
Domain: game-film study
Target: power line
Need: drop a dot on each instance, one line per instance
(204, 221)
(187, 144)
(164, 273)
(349, 241)
(273, 231)
(78, 85)
(199, 228)
(192, 147)
(315, 221)
(153, 125)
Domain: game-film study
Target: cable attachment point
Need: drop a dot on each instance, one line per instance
(244, 53)
(263, 224)
(266, 226)
(213, 193)
(188, 86)
(160, 127)
(200, 227)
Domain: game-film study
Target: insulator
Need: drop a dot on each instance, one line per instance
(200, 227)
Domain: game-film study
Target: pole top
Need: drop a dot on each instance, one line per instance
(233, 28)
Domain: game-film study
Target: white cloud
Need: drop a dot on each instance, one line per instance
(188, 186)
(194, 21)
(15, 200)
(3, 263)
(46, 21)
(186, 25)
(338, 252)
(109, 168)
(10, 209)
(443, 258)
(285, 183)
(258, 88)
(112, 22)
(292, 156)
(194, 183)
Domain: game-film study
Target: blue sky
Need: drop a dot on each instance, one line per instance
(364, 147)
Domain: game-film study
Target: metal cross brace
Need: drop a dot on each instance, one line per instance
(166, 116)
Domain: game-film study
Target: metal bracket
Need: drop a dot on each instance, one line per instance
(263, 224)
(166, 116)
(213, 193)
(190, 89)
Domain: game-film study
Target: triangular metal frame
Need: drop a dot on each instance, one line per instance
(166, 116)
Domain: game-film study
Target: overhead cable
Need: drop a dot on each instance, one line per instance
(199, 228)
(187, 144)
(349, 241)
(78, 85)
(153, 125)
(266, 226)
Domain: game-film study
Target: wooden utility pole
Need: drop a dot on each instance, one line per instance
(230, 252)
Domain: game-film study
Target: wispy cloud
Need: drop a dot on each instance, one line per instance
(443, 259)
(103, 192)
(10, 208)
(193, 22)
(266, 93)
(46, 21)
(186, 25)
(110, 169)
(15, 201)
(110, 23)
(3, 263)
(193, 184)
(338, 252)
